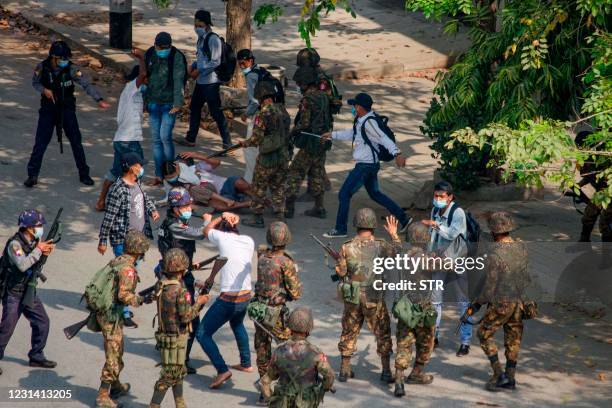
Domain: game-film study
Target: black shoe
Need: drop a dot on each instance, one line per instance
(31, 182)
(343, 377)
(399, 390)
(261, 401)
(386, 377)
(436, 343)
(256, 222)
(505, 382)
(88, 181)
(43, 363)
(190, 369)
(128, 322)
(335, 234)
(464, 350)
(120, 390)
(184, 142)
(316, 213)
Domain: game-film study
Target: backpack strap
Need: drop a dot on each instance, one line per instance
(367, 140)
(206, 45)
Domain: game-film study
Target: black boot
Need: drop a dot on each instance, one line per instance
(158, 397)
(31, 181)
(318, 211)
(399, 383)
(88, 181)
(261, 401)
(385, 375)
(256, 222)
(290, 208)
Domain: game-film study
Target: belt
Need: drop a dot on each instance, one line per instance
(235, 298)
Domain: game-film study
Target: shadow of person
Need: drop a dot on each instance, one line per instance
(50, 380)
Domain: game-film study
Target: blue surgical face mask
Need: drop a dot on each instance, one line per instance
(143, 89)
(173, 180)
(354, 111)
(62, 63)
(439, 203)
(200, 31)
(163, 53)
(38, 232)
(141, 172)
(245, 71)
(185, 215)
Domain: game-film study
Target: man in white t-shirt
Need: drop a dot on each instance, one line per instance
(231, 305)
(129, 124)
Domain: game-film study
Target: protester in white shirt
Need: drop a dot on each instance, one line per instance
(129, 124)
(367, 164)
(231, 305)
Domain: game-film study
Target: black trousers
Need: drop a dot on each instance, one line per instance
(44, 133)
(189, 280)
(209, 94)
(12, 309)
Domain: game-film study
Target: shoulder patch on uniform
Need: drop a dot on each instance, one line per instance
(258, 121)
(16, 249)
(130, 272)
(187, 296)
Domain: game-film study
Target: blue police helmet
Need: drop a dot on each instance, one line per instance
(31, 218)
(60, 49)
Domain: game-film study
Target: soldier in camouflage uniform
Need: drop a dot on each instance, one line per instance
(315, 118)
(302, 370)
(361, 300)
(270, 134)
(506, 279)
(422, 335)
(175, 312)
(277, 283)
(136, 245)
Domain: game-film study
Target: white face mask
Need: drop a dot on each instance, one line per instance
(38, 232)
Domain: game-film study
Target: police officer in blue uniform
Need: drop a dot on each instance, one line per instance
(21, 253)
(54, 78)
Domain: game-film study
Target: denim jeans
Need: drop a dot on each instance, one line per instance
(217, 315)
(366, 175)
(118, 250)
(120, 148)
(161, 123)
(465, 331)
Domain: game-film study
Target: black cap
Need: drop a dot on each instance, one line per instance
(163, 39)
(362, 99)
(204, 16)
(129, 159)
(60, 49)
(244, 54)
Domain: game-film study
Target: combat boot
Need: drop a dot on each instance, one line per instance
(345, 370)
(497, 371)
(158, 397)
(103, 400)
(506, 380)
(262, 401)
(119, 389)
(399, 383)
(289, 209)
(256, 222)
(317, 211)
(179, 400)
(31, 182)
(386, 376)
(417, 376)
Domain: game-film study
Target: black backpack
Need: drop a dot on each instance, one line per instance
(265, 75)
(173, 52)
(472, 227)
(382, 153)
(227, 67)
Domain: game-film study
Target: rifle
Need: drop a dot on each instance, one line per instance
(331, 252)
(54, 235)
(200, 265)
(73, 329)
(268, 332)
(472, 309)
(208, 283)
(224, 151)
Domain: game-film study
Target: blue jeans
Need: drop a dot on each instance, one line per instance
(161, 123)
(465, 331)
(118, 250)
(120, 148)
(217, 315)
(366, 175)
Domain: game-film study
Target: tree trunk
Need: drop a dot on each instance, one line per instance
(120, 24)
(238, 32)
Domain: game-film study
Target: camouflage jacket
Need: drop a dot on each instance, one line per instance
(277, 279)
(174, 307)
(419, 294)
(507, 274)
(314, 117)
(271, 125)
(127, 279)
(300, 364)
(356, 261)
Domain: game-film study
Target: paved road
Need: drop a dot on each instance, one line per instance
(564, 350)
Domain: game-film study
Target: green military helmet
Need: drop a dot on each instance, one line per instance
(418, 234)
(300, 320)
(308, 57)
(175, 261)
(264, 89)
(136, 242)
(278, 234)
(365, 218)
(501, 222)
(305, 76)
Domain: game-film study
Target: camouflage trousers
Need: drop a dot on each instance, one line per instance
(113, 349)
(170, 375)
(377, 318)
(423, 339)
(591, 212)
(306, 164)
(508, 315)
(263, 345)
(269, 177)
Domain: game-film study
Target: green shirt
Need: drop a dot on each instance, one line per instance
(158, 89)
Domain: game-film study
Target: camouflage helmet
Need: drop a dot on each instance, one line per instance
(300, 320)
(278, 234)
(365, 218)
(308, 57)
(305, 76)
(136, 242)
(418, 234)
(501, 222)
(175, 261)
(264, 89)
